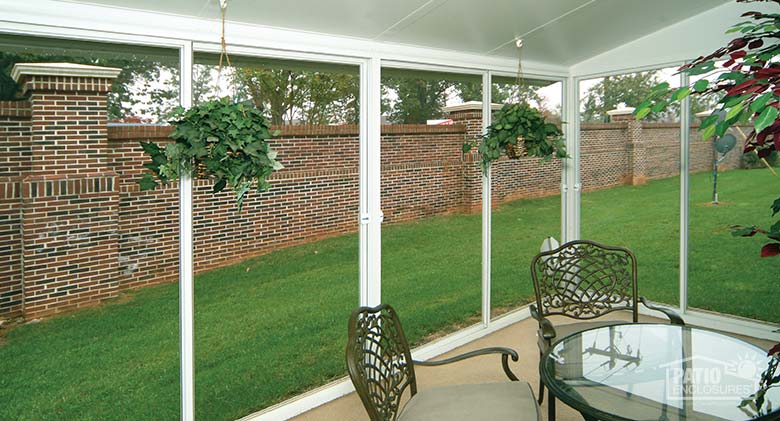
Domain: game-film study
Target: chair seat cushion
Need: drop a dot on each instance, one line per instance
(564, 330)
(486, 401)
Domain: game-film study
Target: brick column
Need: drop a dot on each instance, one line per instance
(69, 196)
(469, 114)
(15, 156)
(636, 148)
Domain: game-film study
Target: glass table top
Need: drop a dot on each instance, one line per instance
(658, 372)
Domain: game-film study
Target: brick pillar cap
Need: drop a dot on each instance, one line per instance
(621, 111)
(63, 69)
(469, 106)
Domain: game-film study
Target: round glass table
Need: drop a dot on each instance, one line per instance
(658, 372)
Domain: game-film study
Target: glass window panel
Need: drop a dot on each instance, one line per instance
(81, 338)
(270, 318)
(526, 199)
(727, 274)
(630, 177)
(431, 236)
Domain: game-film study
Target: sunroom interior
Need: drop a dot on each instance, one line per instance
(369, 211)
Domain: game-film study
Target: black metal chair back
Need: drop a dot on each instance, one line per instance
(379, 360)
(584, 280)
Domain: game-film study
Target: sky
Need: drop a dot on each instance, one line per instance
(666, 75)
(553, 93)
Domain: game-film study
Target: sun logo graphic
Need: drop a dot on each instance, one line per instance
(705, 378)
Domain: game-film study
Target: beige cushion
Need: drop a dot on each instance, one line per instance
(486, 401)
(564, 330)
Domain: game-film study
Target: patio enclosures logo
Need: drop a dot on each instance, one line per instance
(710, 379)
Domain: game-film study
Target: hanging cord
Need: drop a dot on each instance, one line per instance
(520, 79)
(519, 44)
(223, 53)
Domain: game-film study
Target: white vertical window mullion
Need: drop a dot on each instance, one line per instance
(564, 167)
(570, 186)
(370, 183)
(186, 274)
(363, 218)
(685, 138)
(487, 117)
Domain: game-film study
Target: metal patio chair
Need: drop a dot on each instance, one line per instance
(584, 280)
(381, 368)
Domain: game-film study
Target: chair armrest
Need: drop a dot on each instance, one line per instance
(505, 354)
(674, 318)
(546, 328)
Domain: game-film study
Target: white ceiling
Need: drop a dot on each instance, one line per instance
(560, 32)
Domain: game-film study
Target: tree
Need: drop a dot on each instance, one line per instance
(310, 97)
(332, 98)
(145, 88)
(277, 91)
(472, 91)
(418, 100)
(629, 89)
(202, 87)
(502, 93)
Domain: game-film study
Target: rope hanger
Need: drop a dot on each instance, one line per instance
(520, 80)
(223, 54)
(519, 44)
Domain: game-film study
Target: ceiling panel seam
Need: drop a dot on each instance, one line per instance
(412, 17)
(550, 22)
(203, 8)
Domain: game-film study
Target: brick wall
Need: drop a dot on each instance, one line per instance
(603, 157)
(75, 229)
(422, 171)
(316, 195)
(69, 233)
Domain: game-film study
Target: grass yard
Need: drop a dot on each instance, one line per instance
(725, 274)
(274, 326)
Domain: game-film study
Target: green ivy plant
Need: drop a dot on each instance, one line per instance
(515, 123)
(220, 139)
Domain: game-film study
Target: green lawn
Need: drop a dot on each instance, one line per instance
(274, 326)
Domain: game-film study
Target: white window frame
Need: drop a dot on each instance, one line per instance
(370, 176)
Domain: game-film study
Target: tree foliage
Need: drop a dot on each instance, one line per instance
(747, 78)
(502, 93)
(613, 91)
(144, 89)
(417, 100)
(630, 90)
(308, 97)
(472, 91)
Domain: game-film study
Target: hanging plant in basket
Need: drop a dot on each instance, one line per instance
(220, 139)
(513, 124)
